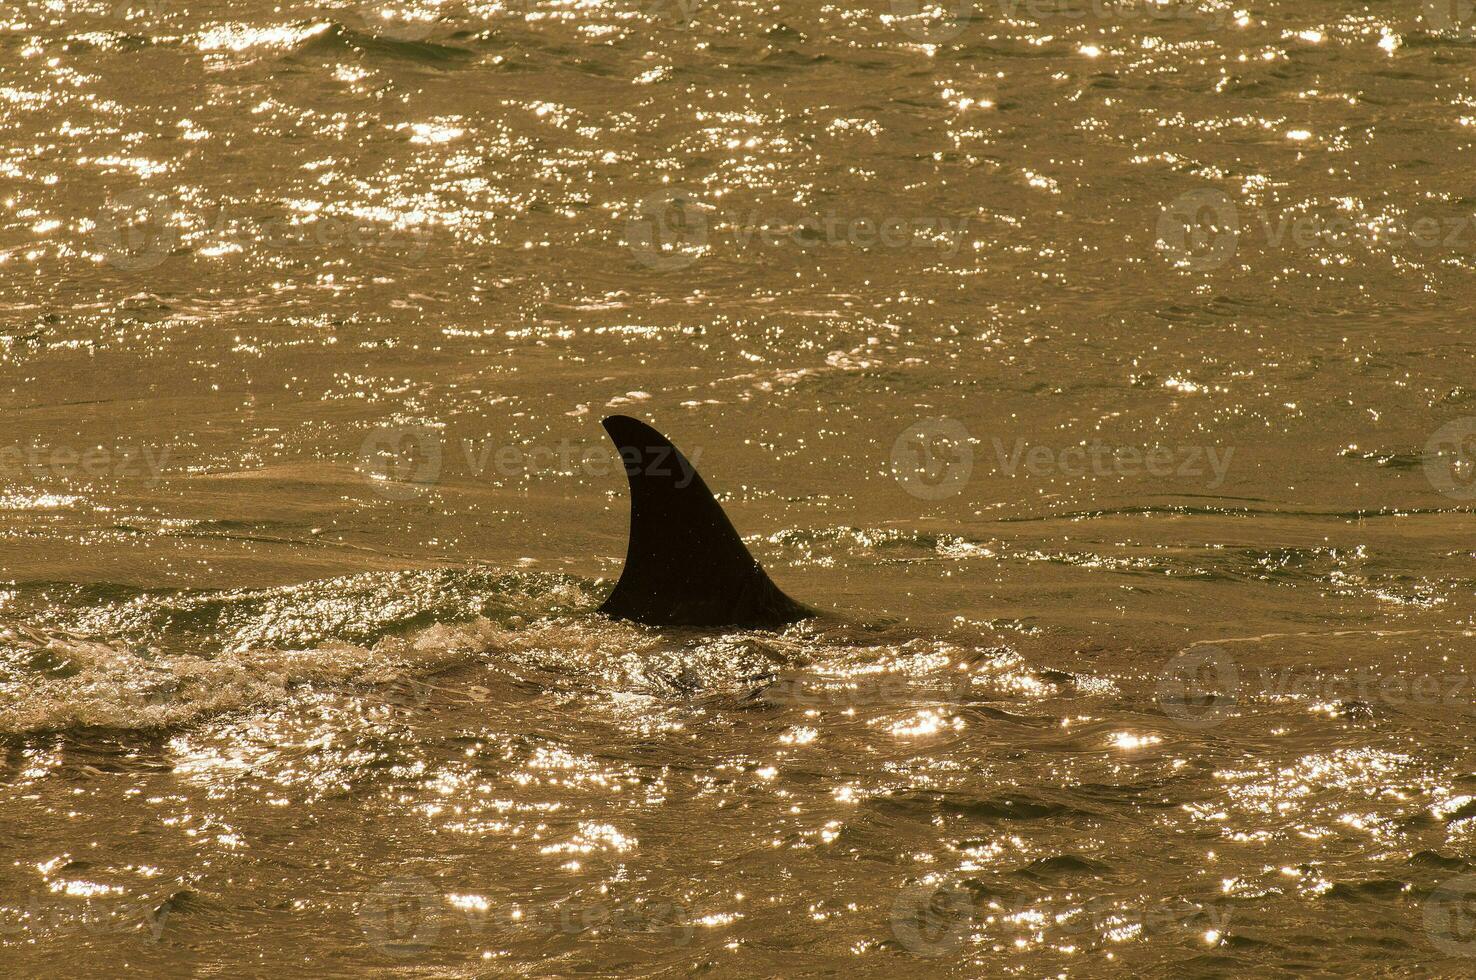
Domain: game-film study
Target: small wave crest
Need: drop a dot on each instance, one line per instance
(93, 684)
(111, 658)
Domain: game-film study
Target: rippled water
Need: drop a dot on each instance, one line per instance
(1104, 368)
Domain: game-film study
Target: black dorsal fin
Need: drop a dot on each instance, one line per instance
(685, 565)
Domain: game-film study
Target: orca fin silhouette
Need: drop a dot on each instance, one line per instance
(685, 565)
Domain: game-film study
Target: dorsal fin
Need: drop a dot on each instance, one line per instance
(685, 565)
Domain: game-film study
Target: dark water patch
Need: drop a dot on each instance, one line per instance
(1063, 867)
(1434, 859)
(1152, 794)
(924, 804)
(1370, 890)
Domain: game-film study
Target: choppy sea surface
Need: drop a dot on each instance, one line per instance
(1104, 369)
